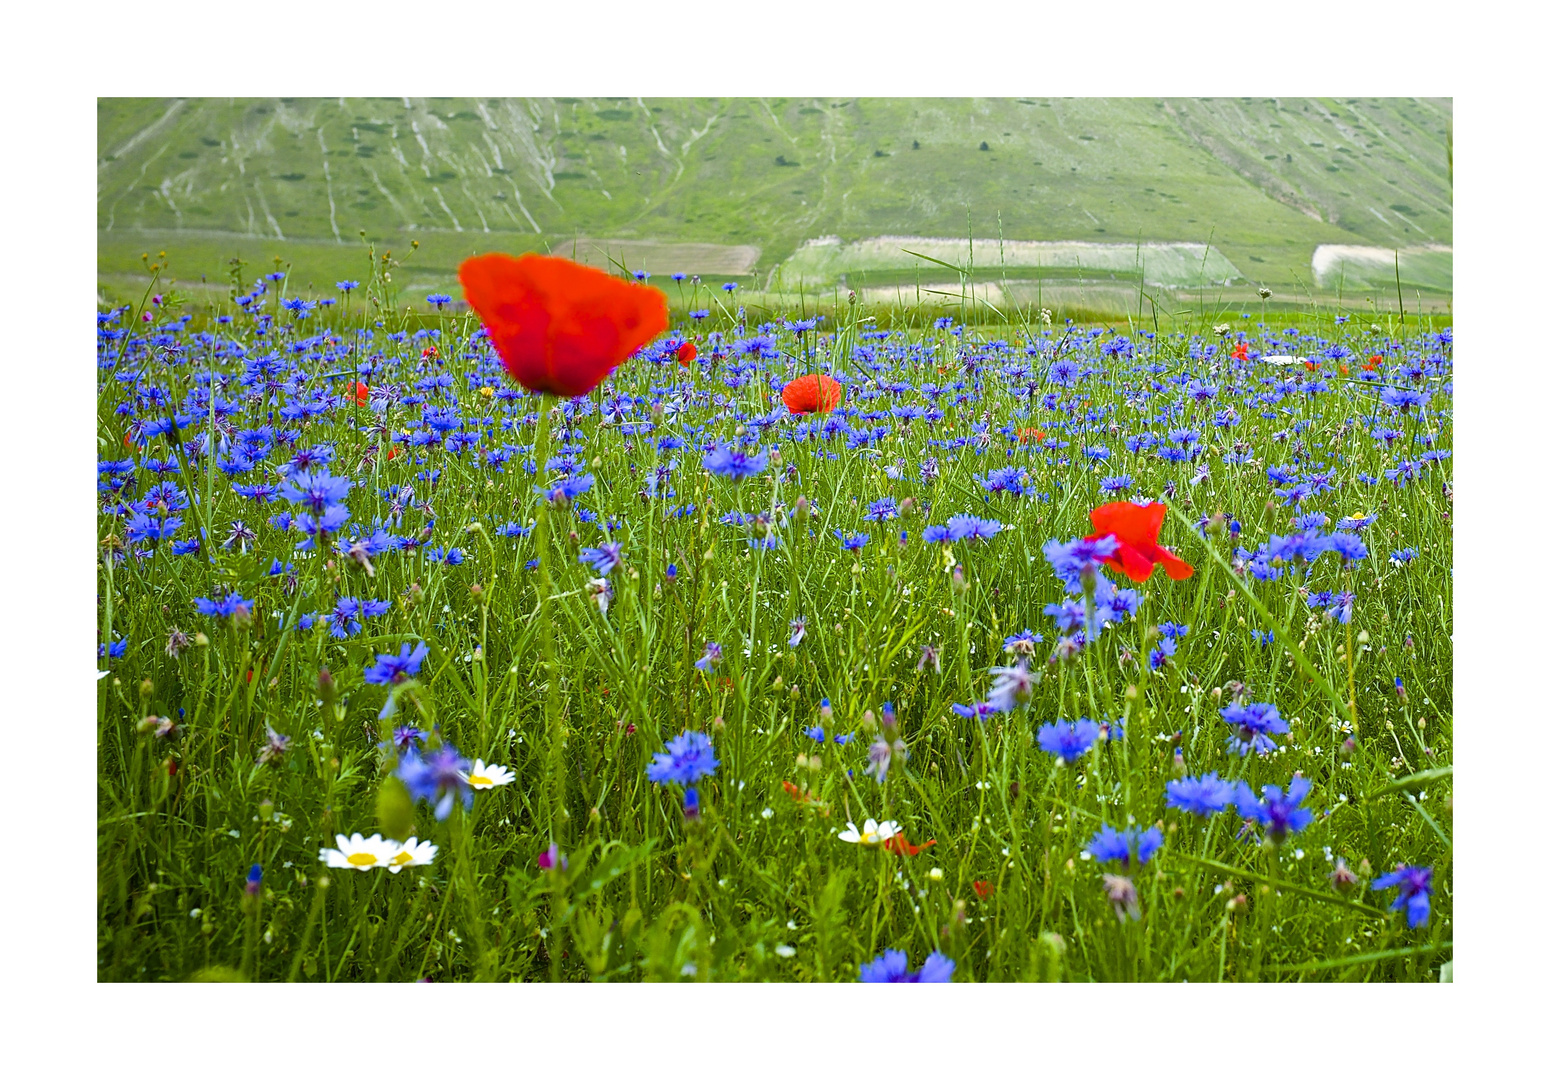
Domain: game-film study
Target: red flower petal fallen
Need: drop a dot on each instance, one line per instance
(812, 393)
(1136, 529)
(900, 846)
(687, 353)
(560, 327)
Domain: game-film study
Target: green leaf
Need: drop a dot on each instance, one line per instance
(1414, 780)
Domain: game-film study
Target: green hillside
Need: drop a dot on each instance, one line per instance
(735, 187)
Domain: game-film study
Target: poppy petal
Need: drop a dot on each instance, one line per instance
(560, 327)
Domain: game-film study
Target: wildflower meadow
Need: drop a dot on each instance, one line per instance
(593, 626)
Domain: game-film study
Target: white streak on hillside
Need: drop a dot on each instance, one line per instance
(144, 133)
(474, 203)
(388, 195)
(263, 204)
(448, 209)
(328, 182)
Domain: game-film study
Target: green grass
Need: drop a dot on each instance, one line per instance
(759, 888)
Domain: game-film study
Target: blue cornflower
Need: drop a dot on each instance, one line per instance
(815, 733)
(440, 776)
(224, 608)
(712, 657)
(968, 527)
(1068, 741)
(798, 632)
(893, 967)
(1348, 546)
(1079, 560)
(734, 464)
(567, 489)
(1415, 892)
(1402, 556)
(316, 490)
(978, 711)
(345, 620)
(390, 669)
(1107, 845)
(1162, 653)
(1172, 629)
(1403, 400)
(1022, 643)
(729, 286)
(852, 543)
(441, 300)
(144, 529)
(605, 558)
(882, 510)
(1203, 795)
(1255, 723)
(684, 760)
(346, 286)
(405, 736)
(1278, 813)
(936, 534)
(113, 650)
(1114, 484)
(1013, 686)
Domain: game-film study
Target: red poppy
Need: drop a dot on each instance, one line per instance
(1242, 351)
(428, 353)
(362, 393)
(795, 792)
(686, 354)
(392, 452)
(812, 393)
(1312, 365)
(1373, 363)
(900, 846)
(983, 889)
(1024, 434)
(560, 327)
(1136, 529)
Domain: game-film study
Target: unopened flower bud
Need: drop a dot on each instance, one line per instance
(1342, 878)
(328, 689)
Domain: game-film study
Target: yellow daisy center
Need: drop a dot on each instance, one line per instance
(480, 781)
(362, 858)
(399, 859)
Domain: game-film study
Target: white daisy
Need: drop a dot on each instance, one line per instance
(871, 834)
(487, 776)
(413, 853)
(355, 853)
(1284, 361)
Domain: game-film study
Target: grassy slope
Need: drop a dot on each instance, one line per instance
(1264, 179)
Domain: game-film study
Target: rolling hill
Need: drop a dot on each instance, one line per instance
(742, 187)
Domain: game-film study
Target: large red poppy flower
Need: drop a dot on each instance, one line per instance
(560, 327)
(687, 354)
(812, 393)
(1136, 529)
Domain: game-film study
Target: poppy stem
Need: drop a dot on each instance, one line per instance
(552, 719)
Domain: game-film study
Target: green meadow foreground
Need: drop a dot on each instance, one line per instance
(798, 649)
